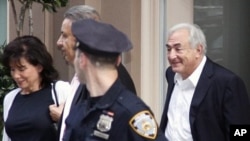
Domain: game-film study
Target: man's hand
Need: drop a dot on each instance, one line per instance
(56, 112)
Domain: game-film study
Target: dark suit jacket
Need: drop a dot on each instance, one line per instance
(126, 78)
(220, 99)
(77, 97)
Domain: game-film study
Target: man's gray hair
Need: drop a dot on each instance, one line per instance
(196, 35)
(81, 12)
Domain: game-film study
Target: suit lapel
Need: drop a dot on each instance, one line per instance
(201, 89)
(170, 78)
(80, 93)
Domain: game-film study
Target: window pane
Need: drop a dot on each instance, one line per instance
(3, 21)
(226, 24)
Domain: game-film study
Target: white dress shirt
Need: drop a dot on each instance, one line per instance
(178, 127)
(74, 84)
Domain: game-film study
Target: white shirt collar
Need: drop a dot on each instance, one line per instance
(194, 77)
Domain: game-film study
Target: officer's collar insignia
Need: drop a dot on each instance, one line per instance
(144, 124)
(104, 123)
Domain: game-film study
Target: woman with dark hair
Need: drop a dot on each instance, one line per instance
(26, 112)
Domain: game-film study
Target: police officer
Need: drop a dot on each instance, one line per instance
(110, 111)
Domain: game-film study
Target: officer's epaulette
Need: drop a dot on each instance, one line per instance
(132, 103)
(142, 120)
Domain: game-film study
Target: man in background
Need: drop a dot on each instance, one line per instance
(66, 44)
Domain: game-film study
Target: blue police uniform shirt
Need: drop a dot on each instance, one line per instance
(119, 115)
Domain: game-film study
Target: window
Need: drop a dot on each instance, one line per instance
(3, 21)
(227, 28)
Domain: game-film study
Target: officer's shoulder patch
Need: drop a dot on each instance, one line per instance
(144, 124)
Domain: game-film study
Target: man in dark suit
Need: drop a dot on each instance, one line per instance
(203, 98)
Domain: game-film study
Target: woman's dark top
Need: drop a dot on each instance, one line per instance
(29, 119)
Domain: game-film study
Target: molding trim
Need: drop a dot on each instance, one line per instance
(151, 56)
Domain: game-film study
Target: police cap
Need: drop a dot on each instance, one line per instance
(100, 38)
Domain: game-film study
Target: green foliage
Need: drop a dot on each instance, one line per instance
(52, 5)
(6, 84)
(26, 5)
